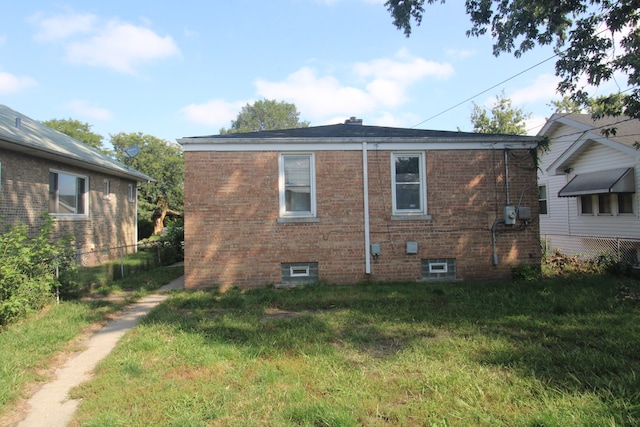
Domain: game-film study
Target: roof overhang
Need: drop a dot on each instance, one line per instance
(17, 146)
(355, 144)
(621, 180)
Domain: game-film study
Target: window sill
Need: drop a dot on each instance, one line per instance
(293, 220)
(69, 217)
(410, 217)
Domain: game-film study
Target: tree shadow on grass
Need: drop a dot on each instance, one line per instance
(575, 338)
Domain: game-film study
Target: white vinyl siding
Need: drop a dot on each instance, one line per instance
(565, 217)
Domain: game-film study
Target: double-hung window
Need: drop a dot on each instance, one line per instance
(131, 196)
(67, 193)
(297, 185)
(106, 192)
(542, 199)
(409, 183)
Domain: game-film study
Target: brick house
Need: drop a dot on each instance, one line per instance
(88, 194)
(348, 203)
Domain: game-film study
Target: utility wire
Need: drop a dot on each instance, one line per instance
(486, 90)
(496, 85)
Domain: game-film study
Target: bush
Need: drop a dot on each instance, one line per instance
(172, 241)
(525, 272)
(145, 228)
(28, 269)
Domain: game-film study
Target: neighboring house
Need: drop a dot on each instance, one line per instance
(349, 203)
(87, 193)
(588, 186)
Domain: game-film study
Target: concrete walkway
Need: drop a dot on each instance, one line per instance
(51, 406)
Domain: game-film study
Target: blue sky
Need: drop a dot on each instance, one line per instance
(176, 69)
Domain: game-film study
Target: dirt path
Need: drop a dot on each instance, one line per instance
(50, 405)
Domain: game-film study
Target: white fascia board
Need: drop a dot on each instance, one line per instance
(575, 150)
(356, 146)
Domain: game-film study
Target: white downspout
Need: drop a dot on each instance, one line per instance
(365, 186)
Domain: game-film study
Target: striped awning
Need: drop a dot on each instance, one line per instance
(620, 180)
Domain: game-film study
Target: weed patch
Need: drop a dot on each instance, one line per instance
(545, 352)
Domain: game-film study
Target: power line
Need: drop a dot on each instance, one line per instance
(486, 90)
(498, 84)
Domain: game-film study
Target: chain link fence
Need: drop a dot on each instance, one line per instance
(121, 261)
(590, 247)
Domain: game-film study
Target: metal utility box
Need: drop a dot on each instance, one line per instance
(524, 213)
(510, 215)
(375, 249)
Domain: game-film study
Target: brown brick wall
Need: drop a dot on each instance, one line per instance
(231, 208)
(24, 197)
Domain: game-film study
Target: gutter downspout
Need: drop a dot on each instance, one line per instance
(506, 175)
(365, 187)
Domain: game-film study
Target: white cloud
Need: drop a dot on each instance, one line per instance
(460, 53)
(10, 83)
(316, 97)
(85, 109)
(380, 85)
(534, 124)
(117, 45)
(64, 26)
(383, 84)
(542, 89)
(390, 119)
(215, 112)
(122, 47)
(405, 68)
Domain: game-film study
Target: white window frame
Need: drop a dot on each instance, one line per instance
(438, 267)
(131, 196)
(608, 199)
(299, 271)
(312, 182)
(422, 182)
(106, 191)
(85, 204)
(618, 204)
(544, 199)
(581, 205)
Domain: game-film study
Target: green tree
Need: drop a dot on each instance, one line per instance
(266, 114)
(566, 106)
(582, 32)
(161, 160)
(78, 130)
(503, 118)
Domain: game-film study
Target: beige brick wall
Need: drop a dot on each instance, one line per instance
(231, 208)
(24, 197)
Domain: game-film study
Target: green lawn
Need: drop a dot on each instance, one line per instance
(562, 352)
(29, 347)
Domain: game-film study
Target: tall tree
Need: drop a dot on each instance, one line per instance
(566, 106)
(161, 160)
(78, 130)
(266, 114)
(593, 38)
(503, 118)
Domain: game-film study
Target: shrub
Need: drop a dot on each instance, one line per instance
(172, 241)
(525, 272)
(145, 228)
(28, 269)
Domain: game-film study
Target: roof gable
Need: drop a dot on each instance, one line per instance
(21, 133)
(587, 132)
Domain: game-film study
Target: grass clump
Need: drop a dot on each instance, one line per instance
(32, 345)
(550, 352)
